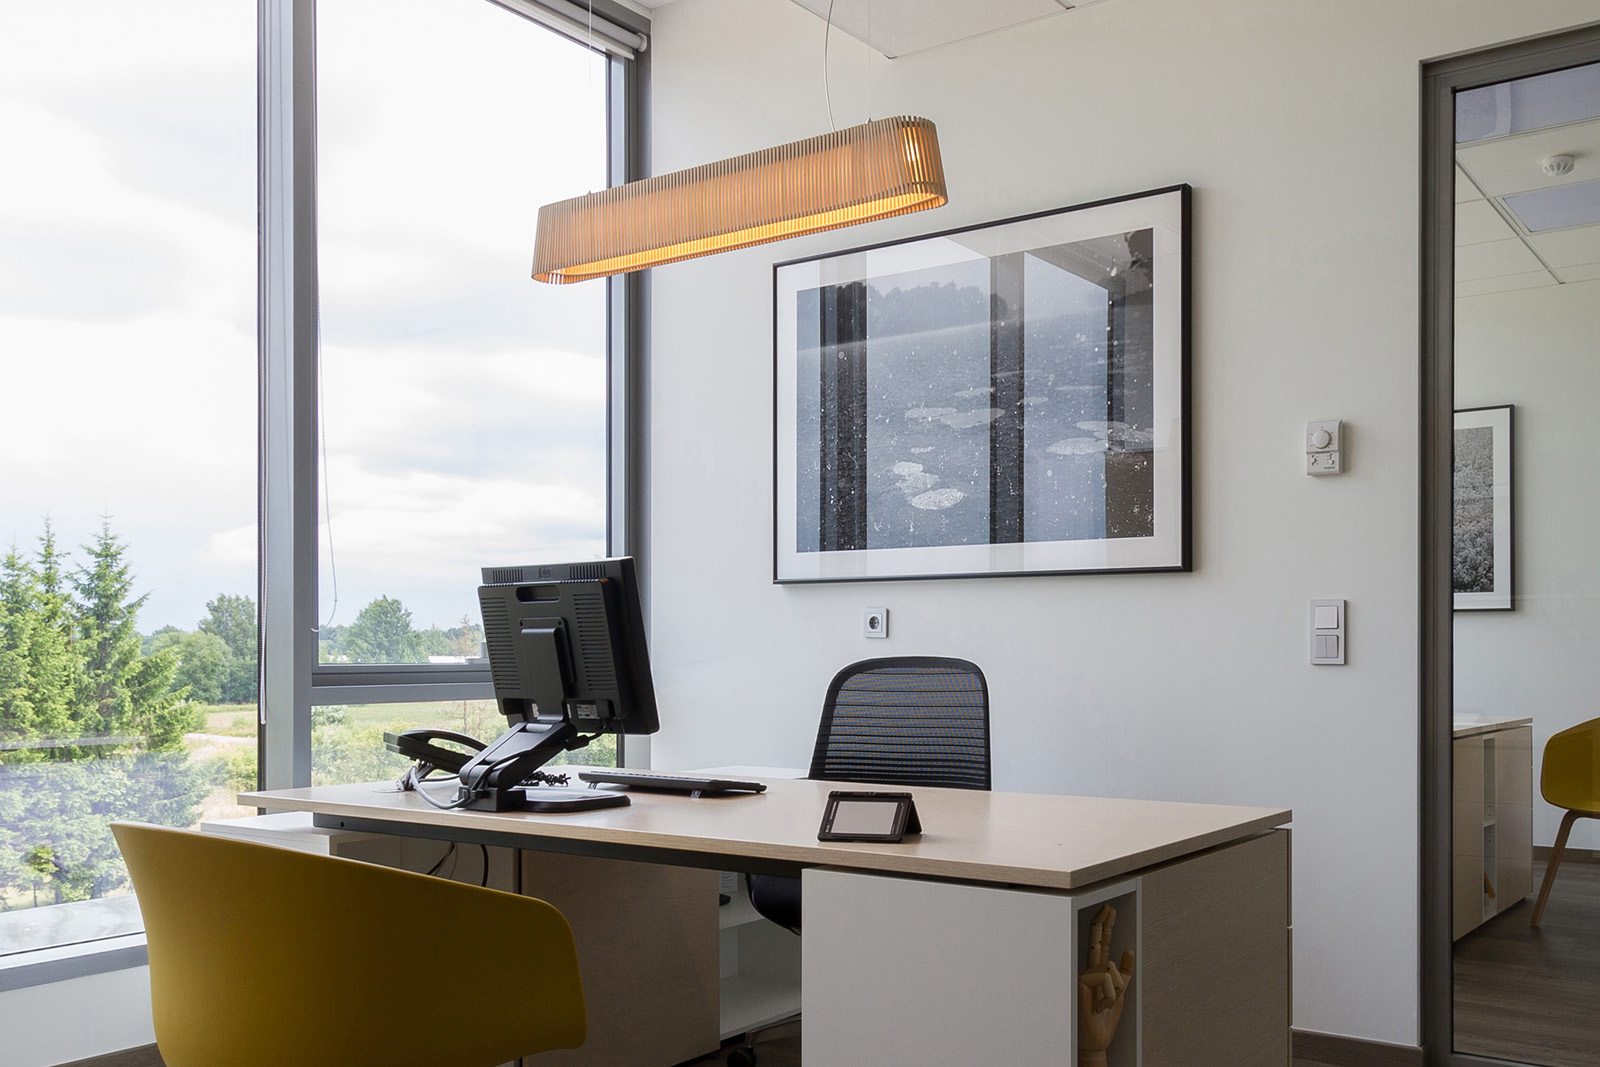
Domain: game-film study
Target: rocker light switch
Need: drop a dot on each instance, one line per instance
(1327, 632)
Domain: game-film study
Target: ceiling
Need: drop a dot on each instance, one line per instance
(905, 27)
(1507, 240)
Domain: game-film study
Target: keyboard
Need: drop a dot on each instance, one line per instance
(671, 783)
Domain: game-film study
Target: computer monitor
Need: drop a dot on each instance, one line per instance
(568, 660)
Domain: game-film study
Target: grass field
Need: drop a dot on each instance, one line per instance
(239, 720)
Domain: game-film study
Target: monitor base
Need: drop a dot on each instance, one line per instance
(547, 800)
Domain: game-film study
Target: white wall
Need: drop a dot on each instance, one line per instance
(64, 1022)
(1540, 350)
(1298, 126)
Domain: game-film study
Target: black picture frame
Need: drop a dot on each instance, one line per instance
(1482, 545)
(950, 453)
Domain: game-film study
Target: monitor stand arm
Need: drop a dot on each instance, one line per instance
(512, 758)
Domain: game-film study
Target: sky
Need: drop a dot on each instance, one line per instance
(464, 403)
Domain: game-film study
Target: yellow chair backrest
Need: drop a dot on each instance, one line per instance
(1570, 775)
(267, 957)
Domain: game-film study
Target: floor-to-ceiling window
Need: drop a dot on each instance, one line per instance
(459, 413)
(463, 405)
(127, 444)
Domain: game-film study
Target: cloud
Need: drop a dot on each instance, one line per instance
(465, 404)
(86, 272)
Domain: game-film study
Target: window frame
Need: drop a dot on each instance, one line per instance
(292, 681)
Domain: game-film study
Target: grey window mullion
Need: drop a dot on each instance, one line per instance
(287, 322)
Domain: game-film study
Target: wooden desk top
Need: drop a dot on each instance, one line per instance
(1047, 841)
(1473, 725)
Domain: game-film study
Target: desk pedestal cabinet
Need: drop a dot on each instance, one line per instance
(966, 974)
(1492, 820)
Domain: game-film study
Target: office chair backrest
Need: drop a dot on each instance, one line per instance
(905, 720)
(263, 957)
(1570, 774)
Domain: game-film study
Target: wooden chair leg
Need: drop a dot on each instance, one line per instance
(1550, 868)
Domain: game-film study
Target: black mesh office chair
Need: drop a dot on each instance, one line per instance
(901, 720)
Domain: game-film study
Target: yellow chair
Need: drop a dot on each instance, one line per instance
(264, 957)
(1570, 778)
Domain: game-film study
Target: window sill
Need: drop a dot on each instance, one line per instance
(41, 966)
(62, 941)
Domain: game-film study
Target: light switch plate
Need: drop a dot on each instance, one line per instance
(1328, 632)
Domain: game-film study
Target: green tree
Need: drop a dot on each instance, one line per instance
(233, 619)
(381, 633)
(38, 669)
(166, 637)
(204, 665)
(16, 638)
(465, 639)
(73, 676)
(331, 645)
(430, 642)
(108, 637)
(120, 692)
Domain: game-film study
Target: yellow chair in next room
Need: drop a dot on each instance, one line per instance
(1570, 778)
(265, 957)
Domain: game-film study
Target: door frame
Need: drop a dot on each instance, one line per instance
(1441, 79)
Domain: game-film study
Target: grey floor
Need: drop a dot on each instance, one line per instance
(1534, 995)
(780, 1047)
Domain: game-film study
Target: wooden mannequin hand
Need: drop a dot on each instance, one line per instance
(1100, 992)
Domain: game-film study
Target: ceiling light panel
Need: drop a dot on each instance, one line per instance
(903, 27)
(1560, 208)
(1527, 104)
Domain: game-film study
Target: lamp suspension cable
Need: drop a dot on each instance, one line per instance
(876, 170)
(827, 92)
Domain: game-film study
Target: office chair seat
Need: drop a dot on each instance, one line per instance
(262, 957)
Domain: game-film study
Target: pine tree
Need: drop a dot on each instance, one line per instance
(38, 670)
(120, 692)
(107, 636)
(16, 638)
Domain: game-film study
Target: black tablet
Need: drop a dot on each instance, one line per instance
(868, 816)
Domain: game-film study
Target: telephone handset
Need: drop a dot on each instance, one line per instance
(419, 745)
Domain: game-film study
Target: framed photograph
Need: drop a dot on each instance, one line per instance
(1006, 399)
(1481, 563)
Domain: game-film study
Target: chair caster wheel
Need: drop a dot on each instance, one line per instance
(742, 1058)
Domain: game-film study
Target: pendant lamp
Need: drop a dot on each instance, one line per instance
(873, 171)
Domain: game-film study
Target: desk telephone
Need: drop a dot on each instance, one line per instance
(419, 745)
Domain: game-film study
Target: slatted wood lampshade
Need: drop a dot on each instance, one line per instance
(872, 171)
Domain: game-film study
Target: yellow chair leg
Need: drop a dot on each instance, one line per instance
(1550, 868)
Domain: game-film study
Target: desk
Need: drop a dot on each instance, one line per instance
(960, 947)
